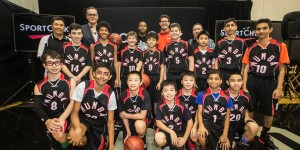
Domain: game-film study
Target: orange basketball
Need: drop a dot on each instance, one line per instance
(115, 38)
(145, 80)
(134, 143)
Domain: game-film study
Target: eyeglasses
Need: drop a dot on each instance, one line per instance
(92, 15)
(51, 63)
(164, 21)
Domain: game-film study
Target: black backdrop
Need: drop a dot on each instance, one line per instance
(18, 68)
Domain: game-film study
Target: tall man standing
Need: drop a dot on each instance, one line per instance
(90, 35)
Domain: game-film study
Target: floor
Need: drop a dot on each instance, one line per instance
(20, 129)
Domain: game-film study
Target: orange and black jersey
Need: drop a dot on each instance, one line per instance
(203, 62)
(152, 60)
(214, 106)
(129, 59)
(76, 57)
(264, 60)
(230, 53)
(104, 53)
(134, 104)
(56, 95)
(174, 118)
(94, 108)
(190, 101)
(176, 55)
(240, 104)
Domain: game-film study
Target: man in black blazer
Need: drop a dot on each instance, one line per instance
(90, 34)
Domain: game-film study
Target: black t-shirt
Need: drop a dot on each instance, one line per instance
(177, 54)
(230, 53)
(129, 59)
(174, 118)
(240, 103)
(152, 60)
(134, 104)
(203, 62)
(76, 57)
(190, 101)
(56, 95)
(104, 53)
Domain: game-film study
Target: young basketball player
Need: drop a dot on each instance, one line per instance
(176, 55)
(77, 57)
(93, 112)
(153, 66)
(240, 122)
(203, 57)
(52, 99)
(173, 119)
(213, 114)
(105, 51)
(133, 106)
(263, 75)
(188, 96)
(229, 52)
(131, 59)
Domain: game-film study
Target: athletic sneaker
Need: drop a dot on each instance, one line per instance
(268, 142)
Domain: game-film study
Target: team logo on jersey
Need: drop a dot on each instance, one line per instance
(135, 109)
(50, 99)
(229, 53)
(95, 106)
(170, 118)
(150, 62)
(215, 111)
(182, 52)
(260, 62)
(105, 56)
(236, 112)
(71, 60)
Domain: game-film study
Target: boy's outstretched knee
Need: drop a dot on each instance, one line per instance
(251, 128)
(140, 127)
(160, 139)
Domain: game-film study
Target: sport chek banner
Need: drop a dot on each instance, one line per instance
(246, 30)
(30, 28)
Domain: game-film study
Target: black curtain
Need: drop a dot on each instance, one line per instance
(215, 9)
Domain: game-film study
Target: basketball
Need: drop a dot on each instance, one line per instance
(145, 80)
(115, 38)
(134, 143)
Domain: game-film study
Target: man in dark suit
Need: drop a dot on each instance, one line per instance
(89, 30)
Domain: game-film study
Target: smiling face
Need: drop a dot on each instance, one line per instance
(214, 81)
(76, 35)
(134, 82)
(196, 29)
(164, 23)
(58, 27)
(151, 42)
(230, 28)
(175, 33)
(169, 92)
(92, 16)
(131, 40)
(263, 30)
(188, 82)
(101, 76)
(142, 27)
(53, 65)
(103, 32)
(235, 82)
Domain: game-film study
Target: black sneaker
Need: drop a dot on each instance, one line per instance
(268, 142)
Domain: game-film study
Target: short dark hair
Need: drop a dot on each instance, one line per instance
(91, 7)
(203, 32)
(175, 24)
(214, 71)
(264, 20)
(102, 64)
(164, 16)
(57, 18)
(136, 73)
(74, 26)
(52, 53)
(168, 82)
(103, 24)
(198, 24)
(234, 73)
(229, 20)
(152, 34)
(188, 73)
